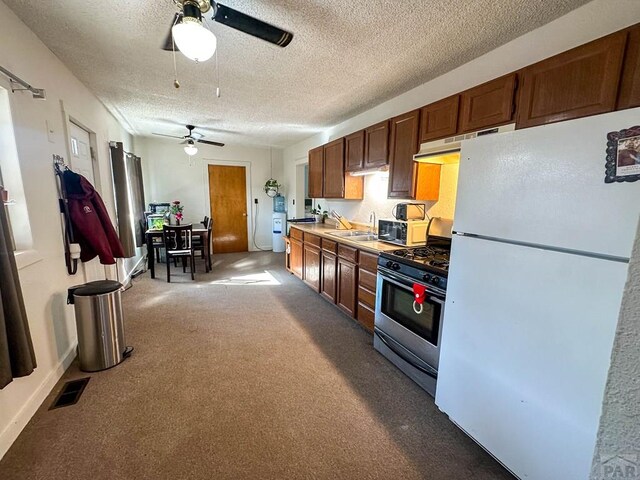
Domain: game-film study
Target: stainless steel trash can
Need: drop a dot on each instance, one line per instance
(100, 323)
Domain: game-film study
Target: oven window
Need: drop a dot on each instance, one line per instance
(397, 304)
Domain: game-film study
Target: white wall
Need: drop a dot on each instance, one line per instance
(43, 273)
(169, 176)
(593, 20)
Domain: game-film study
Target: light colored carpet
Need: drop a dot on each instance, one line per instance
(252, 377)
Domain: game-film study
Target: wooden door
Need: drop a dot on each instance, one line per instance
(354, 151)
(488, 105)
(347, 292)
(630, 85)
(311, 267)
(440, 119)
(580, 82)
(316, 168)
(333, 174)
(328, 281)
(403, 146)
(376, 148)
(228, 197)
(296, 258)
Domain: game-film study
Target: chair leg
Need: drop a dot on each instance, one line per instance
(193, 266)
(158, 255)
(184, 264)
(168, 268)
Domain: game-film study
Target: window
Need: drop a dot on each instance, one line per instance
(10, 177)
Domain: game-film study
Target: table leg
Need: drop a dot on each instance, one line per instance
(151, 255)
(208, 259)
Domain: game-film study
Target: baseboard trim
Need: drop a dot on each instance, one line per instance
(127, 277)
(31, 406)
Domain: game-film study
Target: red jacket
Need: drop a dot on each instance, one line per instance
(92, 227)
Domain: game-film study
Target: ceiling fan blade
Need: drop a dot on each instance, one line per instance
(208, 142)
(168, 42)
(170, 136)
(252, 26)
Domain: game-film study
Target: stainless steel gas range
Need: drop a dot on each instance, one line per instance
(411, 289)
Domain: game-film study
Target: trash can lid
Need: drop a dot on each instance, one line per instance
(99, 287)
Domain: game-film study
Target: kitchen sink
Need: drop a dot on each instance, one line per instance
(364, 238)
(349, 233)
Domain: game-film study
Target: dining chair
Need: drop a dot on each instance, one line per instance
(202, 244)
(178, 243)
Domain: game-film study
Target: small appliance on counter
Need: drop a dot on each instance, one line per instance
(407, 233)
(409, 211)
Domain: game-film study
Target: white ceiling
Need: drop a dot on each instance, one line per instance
(346, 56)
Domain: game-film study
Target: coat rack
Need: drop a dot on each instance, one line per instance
(71, 259)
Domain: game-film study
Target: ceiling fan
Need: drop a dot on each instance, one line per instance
(189, 141)
(191, 35)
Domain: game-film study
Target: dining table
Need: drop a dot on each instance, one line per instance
(201, 232)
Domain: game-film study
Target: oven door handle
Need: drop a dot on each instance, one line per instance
(407, 284)
(432, 372)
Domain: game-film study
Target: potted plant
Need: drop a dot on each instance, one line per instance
(319, 214)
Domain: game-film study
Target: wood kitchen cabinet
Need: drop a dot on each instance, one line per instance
(296, 258)
(347, 275)
(328, 280)
(577, 83)
(327, 176)
(629, 96)
(439, 119)
(333, 177)
(316, 172)
(488, 105)
(312, 265)
(354, 151)
(376, 149)
(403, 146)
(367, 268)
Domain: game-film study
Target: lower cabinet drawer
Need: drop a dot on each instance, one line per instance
(366, 316)
(367, 279)
(367, 297)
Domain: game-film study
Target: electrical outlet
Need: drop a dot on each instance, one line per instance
(255, 201)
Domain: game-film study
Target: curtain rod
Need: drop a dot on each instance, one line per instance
(36, 92)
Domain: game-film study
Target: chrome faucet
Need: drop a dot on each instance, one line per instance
(372, 222)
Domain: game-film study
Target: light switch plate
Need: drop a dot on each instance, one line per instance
(51, 134)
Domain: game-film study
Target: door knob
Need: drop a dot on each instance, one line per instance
(244, 214)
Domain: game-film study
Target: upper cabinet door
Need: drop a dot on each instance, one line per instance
(488, 105)
(316, 168)
(354, 151)
(334, 169)
(580, 82)
(440, 119)
(630, 85)
(403, 146)
(377, 145)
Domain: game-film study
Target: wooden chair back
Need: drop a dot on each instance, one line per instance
(178, 238)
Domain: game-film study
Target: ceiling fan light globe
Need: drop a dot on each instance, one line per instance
(193, 40)
(190, 149)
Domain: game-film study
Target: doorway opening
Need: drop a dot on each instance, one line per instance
(228, 200)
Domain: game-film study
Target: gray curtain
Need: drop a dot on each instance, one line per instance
(17, 358)
(129, 193)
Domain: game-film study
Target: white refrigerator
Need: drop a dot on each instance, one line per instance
(538, 266)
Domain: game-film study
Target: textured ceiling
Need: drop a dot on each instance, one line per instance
(346, 56)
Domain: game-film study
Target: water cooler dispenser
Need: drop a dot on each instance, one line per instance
(279, 223)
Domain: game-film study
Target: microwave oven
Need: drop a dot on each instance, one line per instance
(409, 233)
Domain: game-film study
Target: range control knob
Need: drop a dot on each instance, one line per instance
(435, 280)
(389, 264)
(427, 278)
(395, 266)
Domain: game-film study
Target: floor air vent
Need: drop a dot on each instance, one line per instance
(70, 393)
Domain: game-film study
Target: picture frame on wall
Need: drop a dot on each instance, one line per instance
(623, 156)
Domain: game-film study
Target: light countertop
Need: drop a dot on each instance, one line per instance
(322, 230)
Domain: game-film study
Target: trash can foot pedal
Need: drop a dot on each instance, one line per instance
(127, 352)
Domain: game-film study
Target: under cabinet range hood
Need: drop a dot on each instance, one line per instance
(447, 150)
